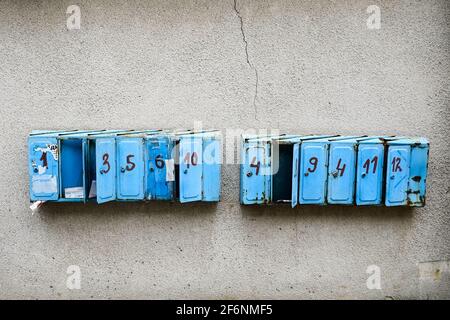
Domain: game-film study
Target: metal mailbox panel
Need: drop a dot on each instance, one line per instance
(341, 173)
(397, 175)
(43, 168)
(190, 173)
(105, 159)
(418, 175)
(211, 168)
(369, 175)
(160, 168)
(254, 179)
(313, 173)
(130, 169)
(295, 173)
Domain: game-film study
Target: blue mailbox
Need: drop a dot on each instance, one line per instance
(102, 165)
(406, 172)
(160, 167)
(255, 183)
(197, 158)
(314, 171)
(342, 170)
(285, 180)
(130, 164)
(58, 165)
(270, 168)
(43, 165)
(370, 171)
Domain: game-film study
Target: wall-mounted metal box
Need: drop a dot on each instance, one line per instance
(57, 165)
(342, 170)
(333, 170)
(270, 168)
(370, 171)
(406, 171)
(125, 165)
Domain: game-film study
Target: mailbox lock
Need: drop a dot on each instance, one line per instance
(249, 174)
(122, 169)
(151, 169)
(335, 174)
(306, 174)
(363, 175)
(185, 171)
(392, 177)
(35, 170)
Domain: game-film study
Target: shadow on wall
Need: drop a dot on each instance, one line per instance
(196, 209)
(311, 211)
(155, 208)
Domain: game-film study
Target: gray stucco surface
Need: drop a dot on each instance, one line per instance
(166, 64)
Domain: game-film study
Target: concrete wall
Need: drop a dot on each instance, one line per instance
(297, 66)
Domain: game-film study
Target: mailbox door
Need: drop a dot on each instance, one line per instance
(43, 169)
(191, 162)
(313, 173)
(211, 169)
(254, 172)
(105, 160)
(295, 173)
(397, 175)
(418, 175)
(369, 176)
(161, 172)
(130, 169)
(341, 173)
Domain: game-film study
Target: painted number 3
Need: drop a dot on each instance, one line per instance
(106, 163)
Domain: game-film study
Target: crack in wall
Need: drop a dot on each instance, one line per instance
(251, 65)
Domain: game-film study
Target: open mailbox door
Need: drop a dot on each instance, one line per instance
(43, 167)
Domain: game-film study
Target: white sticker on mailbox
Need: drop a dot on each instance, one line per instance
(170, 169)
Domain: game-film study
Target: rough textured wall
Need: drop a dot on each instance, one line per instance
(300, 66)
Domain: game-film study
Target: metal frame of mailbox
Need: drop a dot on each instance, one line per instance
(406, 171)
(196, 179)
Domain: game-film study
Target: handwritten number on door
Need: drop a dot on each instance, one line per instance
(106, 163)
(256, 165)
(130, 164)
(313, 161)
(44, 160)
(367, 164)
(339, 168)
(159, 162)
(191, 159)
(396, 164)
